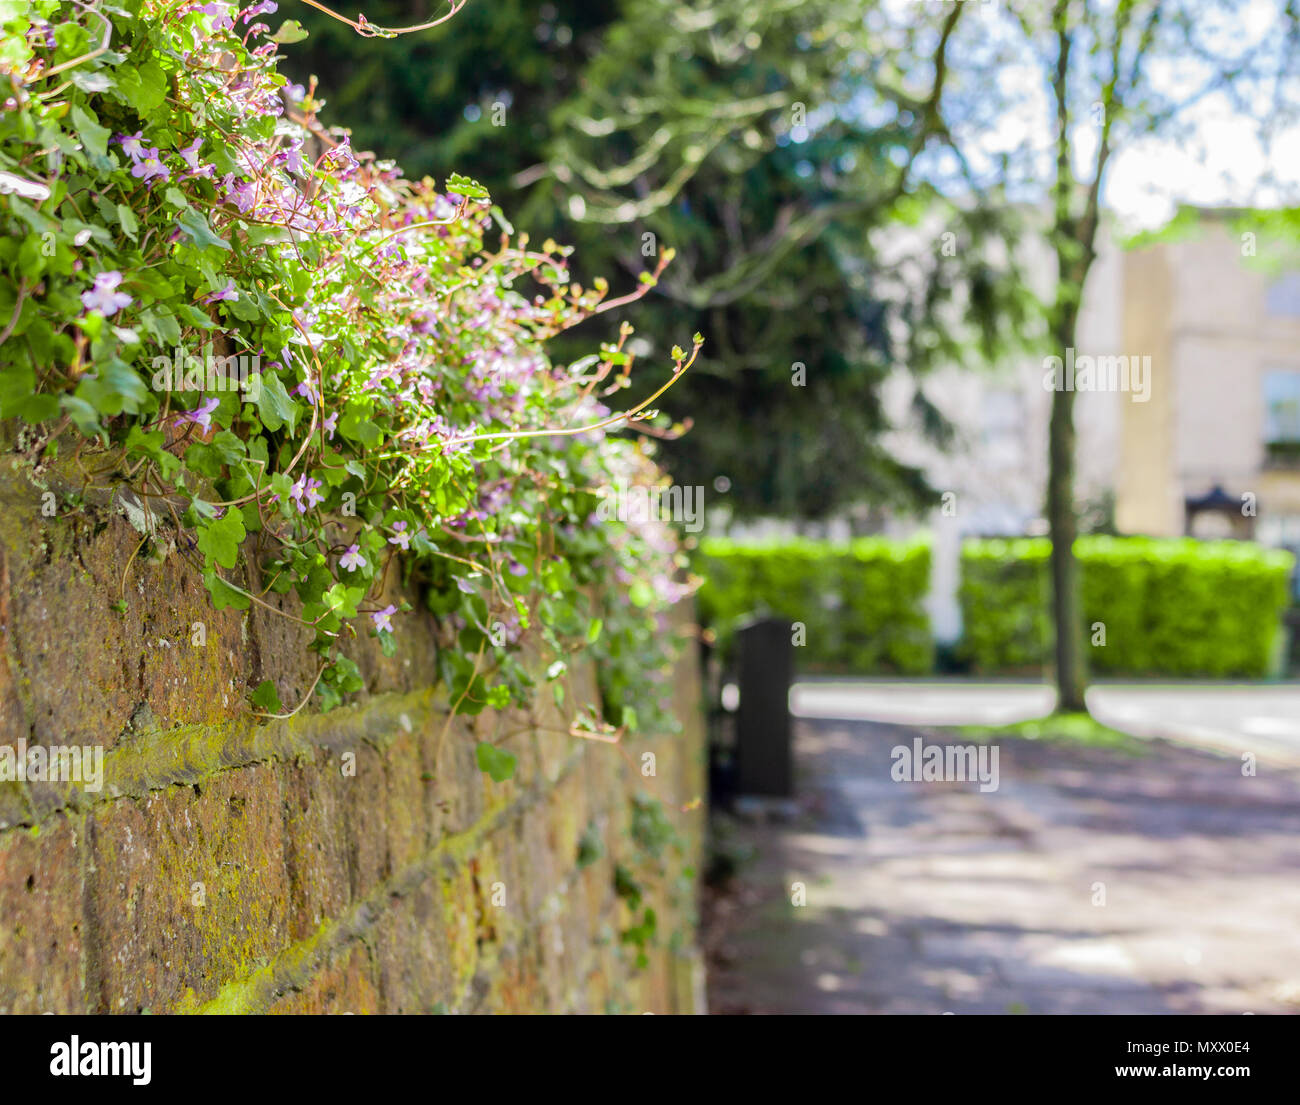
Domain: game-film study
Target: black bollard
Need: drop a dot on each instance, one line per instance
(764, 756)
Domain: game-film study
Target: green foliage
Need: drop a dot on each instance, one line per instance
(1068, 728)
(657, 849)
(590, 845)
(761, 142)
(860, 602)
(388, 412)
(651, 829)
(1169, 606)
(1005, 603)
(499, 763)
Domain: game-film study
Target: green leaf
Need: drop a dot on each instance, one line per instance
(126, 382)
(467, 187)
(356, 428)
(223, 595)
(143, 88)
(220, 540)
(274, 407)
(17, 386)
(267, 698)
(196, 226)
(93, 136)
(496, 762)
(82, 414)
(290, 31)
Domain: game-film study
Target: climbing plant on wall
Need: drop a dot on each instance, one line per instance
(211, 304)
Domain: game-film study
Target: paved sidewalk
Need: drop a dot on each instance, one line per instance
(933, 897)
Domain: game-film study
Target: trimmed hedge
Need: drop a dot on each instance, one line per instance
(1170, 606)
(860, 602)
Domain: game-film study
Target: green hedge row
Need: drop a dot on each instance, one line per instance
(1173, 607)
(860, 602)
(1169, 606)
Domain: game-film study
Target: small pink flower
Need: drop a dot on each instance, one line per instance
(221, 20)
(291, 158)
(352, 560)
(202, 414)
(228, 292)
(305, 495)
(133, 145)
(263, 7)
(380, 617)
(190, 155)
(242, 193)
(104, 296)
(400, 536)
(149, 166)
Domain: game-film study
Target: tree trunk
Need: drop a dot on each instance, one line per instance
(1067, 613)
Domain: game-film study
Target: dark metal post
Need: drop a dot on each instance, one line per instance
(764, 756)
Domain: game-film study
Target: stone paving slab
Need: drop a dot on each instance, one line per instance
(934, 897)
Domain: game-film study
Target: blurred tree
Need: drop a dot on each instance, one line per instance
(428, 100)
(750, 139)
(1042, 96)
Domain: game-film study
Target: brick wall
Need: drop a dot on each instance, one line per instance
(356, 861)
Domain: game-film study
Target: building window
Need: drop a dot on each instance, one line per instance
(1282, 415)
(1283, 299)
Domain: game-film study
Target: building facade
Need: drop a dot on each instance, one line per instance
(1216, 450)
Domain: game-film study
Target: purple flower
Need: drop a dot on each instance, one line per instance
(202, 414)
(103, 296)
(306, 391)
(149, 165)
(263, 7)
(190, 155)
(133, 145)
(352, 559)
(380, 617)
(304, 493)
(465, 585)
(221, 20)
(243, 194)
(331, 423)
(342, 153)
(400, 536)
(291, 158)
(228, 292)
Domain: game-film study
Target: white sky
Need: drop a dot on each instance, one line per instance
(1223, 163)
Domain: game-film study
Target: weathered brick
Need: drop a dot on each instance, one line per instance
(344, 986)
(41, 937)
(237, 863)
(188, 888)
